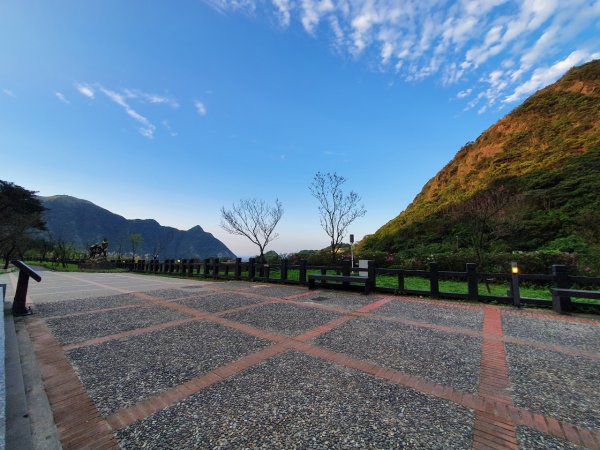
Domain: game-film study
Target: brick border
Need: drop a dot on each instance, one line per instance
(78, 421)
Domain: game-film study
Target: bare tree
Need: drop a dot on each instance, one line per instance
(135, 239)
(254, 219)
(336, 209)
(485, 218)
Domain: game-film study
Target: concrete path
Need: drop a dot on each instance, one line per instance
(136, 361)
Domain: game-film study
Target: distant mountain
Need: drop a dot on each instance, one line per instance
(83, 223)
(545, 154)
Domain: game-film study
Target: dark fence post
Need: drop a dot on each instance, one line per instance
(401, 281)
(561, 304)
(251, 269)
(215, 264)
(266, 271)
(345, 271)
(472, 282)
(371, 274)
(434, 280)
(238, 268)
(284, 269)
(302, 270)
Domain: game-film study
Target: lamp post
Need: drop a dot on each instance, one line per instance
(516, 294)
(351, 251)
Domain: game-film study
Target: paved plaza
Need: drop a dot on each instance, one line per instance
(135, 361)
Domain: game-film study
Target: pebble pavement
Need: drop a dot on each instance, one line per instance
(240, 393)
(530, 439)
(120, 373)
(440, 315)
(438, 356)
(87, 304)
(349, 301)
(78, 328)
(577, 335)
(283, 318)
(310, 403)
(556, 384)
(219, 302)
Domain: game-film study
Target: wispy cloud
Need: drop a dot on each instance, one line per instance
(61, 97)
(200, 108)
(147, 128)
(9, 93)
(546, 75)
(485, 47)
(150, 98)
(130, 101)
(86, 90)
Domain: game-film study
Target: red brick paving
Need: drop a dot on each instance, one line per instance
(80, 424)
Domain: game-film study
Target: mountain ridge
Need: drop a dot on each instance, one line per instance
(552, 127)
(82, 223)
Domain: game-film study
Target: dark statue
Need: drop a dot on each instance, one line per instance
(99, 250)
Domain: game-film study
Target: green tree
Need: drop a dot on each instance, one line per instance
(21, 214)
(336, 209)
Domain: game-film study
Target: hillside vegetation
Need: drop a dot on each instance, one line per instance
(535, 173)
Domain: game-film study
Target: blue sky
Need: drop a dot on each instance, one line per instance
(170, 110)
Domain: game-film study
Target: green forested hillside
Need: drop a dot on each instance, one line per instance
(535, 174)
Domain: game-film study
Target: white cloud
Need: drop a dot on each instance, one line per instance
(546, 75)
(200, 107)
(458, 41)
(61, 97)
(150, 98)
(9, 93)
(465, 93)
(283, 7)
(86, 90)
(147, 129)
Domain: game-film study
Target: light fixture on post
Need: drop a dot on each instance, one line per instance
(351, 250)
(516, 294)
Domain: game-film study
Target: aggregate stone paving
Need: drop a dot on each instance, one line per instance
(169, 294)
(118, 374)
(297, 401)
(219, 302)
(346, 300)
(86, 304)
(438, 315)
(283, 318)
(530, 439)
(555, 384)
(577, 335)
(97, 324)
(278, 291)
(445, 358)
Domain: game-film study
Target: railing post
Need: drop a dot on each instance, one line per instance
(434, 281)
(345, 271)
(251, 269)
(371, 275)
(302, 270)
(401, 281)
(561, 304)
(266, 271)
(284, 269)
(215, 268)
(472, 282)
(238, 268)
